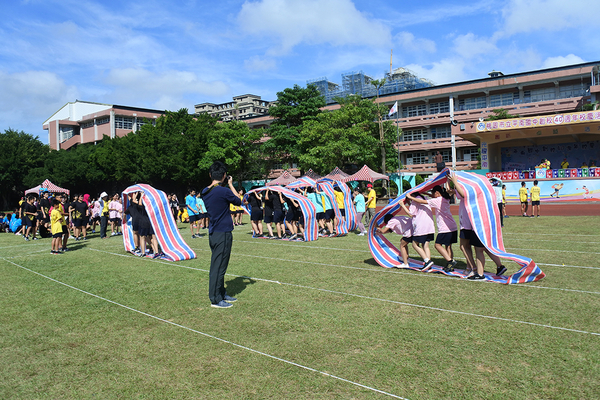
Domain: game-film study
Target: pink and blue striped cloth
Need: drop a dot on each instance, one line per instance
(164, 225)
(482, 209)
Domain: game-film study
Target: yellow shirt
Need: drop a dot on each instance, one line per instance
(564, 165)
(523, 194)
(56, 221)
(535, 193)
(339, 199)
(503, 196)
(372, 203)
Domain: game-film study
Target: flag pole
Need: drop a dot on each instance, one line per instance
(400, 189)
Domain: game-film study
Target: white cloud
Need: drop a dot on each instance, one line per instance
(29, 98)
(259, 64)
(448, 70)
(291, 22)
(469, 46)
(549, 15)
(560, 61)
(408, 42)
(164, 90)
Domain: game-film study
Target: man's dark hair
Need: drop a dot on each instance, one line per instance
(55, 202)
(387, 218)
(535, 182)
(217, 171)
(522, 183)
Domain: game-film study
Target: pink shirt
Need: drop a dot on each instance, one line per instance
(463, 217)
(422, 221)
(401, 226)
(441, 208)
(116, 206)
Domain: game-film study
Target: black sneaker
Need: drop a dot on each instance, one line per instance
(500, 270)
(476, 277)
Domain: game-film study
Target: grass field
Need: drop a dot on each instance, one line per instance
(315, 320)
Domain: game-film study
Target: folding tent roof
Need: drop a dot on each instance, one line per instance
(285, 178)
(336, 175)
(365, 174)
(47, 185)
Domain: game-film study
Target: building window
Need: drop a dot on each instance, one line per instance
(504, 99)
(471, 103)
(415, 111)
(439, 108)
(568, 91)
(65, 133)
(470, 154)
(414, 134)
(141, 122)
(531, 96)
(102, 121)
(441, 132)
(87, 125)
(123, 123)
(417, 158)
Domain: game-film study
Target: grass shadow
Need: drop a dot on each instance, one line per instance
(238, 285)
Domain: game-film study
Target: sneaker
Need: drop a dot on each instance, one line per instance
(113, 234)
(222, 304)
(26, 238)
(271, 237)
(500, 270)
(93, 231)
(71, 237)
(194, 236)
(229, 299)
(428, 265)
(476, 277)
(34, 238)
(403, 266)
(157, 255)
(332, 235)
(85, 238)
(361, 234)
(294, 236)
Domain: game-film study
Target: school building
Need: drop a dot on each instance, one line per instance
(82, 122)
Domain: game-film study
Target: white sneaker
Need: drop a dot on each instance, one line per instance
(113, 234)
(361, 234)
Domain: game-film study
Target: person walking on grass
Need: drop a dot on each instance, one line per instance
(56, 227)
(535, 200)
(523, 196)
(217, 200)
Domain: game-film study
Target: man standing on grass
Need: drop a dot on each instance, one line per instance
(217, 200)
(371, 204)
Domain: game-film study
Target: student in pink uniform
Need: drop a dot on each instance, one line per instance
(446, 225)
(423, 228)
(468, 237)
(403, 227)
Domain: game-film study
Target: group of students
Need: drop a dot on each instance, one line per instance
(418, 228)
(33, 218)
(273, 207)
(144, 238)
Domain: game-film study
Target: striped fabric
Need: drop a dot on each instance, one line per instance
(326, 186)
(302, 182)
(481, 206)
(309, 212)
(164, 225)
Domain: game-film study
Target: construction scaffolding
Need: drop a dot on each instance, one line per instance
(356, 82)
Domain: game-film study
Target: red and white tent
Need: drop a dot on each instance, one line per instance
(336, 175)
(284, 179)
(366, 174)
(51, 187)
(312, 174)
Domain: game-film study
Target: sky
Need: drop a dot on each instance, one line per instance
(169, 55)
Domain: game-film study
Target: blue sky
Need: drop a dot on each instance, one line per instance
(175, 54)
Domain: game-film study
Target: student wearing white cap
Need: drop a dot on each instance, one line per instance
(103, 214)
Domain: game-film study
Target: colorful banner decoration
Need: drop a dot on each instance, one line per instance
(309, 212)
(483, 213)
(165, 227)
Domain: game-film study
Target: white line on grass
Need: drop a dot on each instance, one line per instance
(372, 298)
(209, 335)
(459, 258)
(561, 235)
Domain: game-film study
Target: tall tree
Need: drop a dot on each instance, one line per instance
(21, 152)
(294, 107)
(348, 135)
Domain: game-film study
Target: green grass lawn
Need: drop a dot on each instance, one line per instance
(315, 320)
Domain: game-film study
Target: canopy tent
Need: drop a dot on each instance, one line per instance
(284, 179)
(302, 182)
(312, 174)
(336, 175)
(365, 174)
(164, 225)
(51, 187)
(483, 213)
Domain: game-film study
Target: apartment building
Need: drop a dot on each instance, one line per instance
(241, 107)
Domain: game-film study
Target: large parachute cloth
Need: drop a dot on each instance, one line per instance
(326, 186)
(482, 209)
(164, 225)
(309, 212)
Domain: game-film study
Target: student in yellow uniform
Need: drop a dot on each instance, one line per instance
(523, 195)
(535, 200)
(56, 226)
(371, 204)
